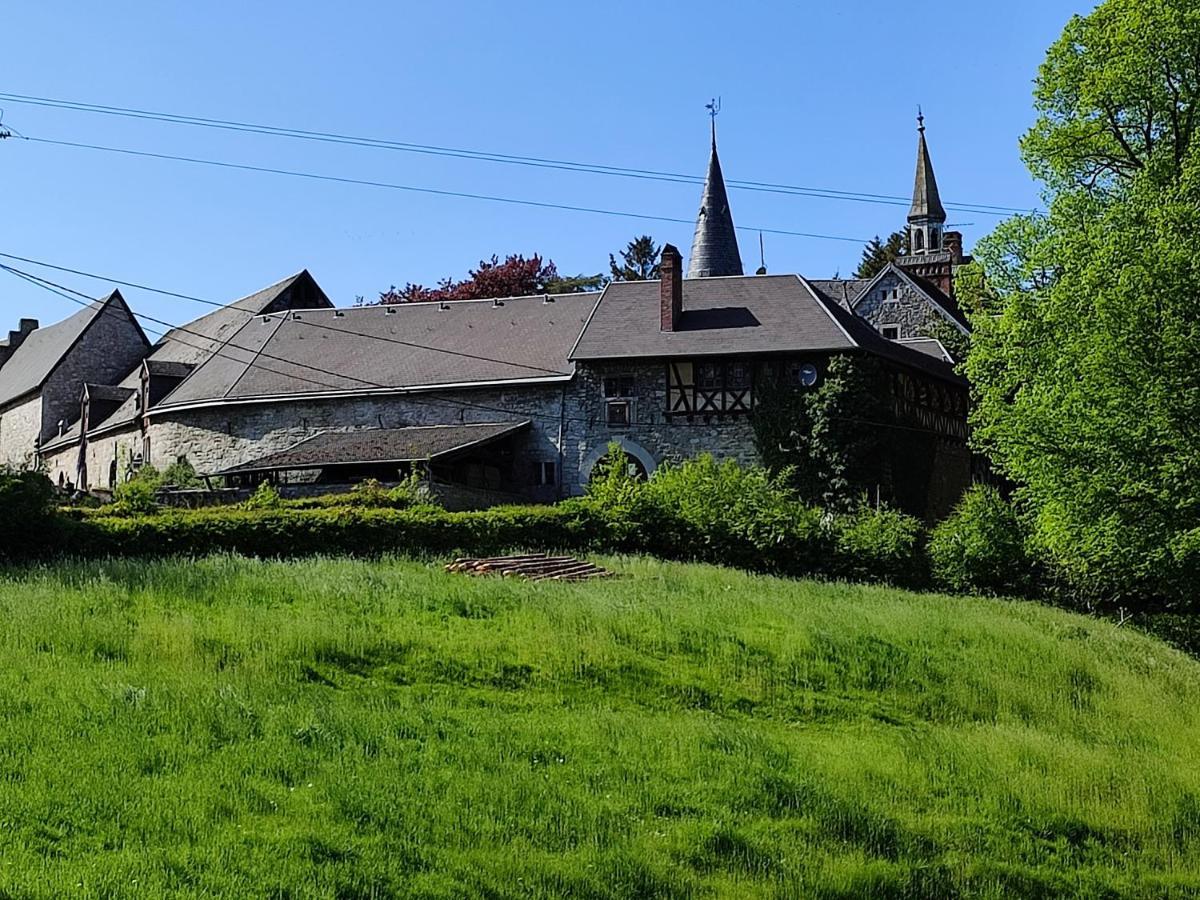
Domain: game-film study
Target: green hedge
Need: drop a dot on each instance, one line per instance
(699, 510)
(342, 530)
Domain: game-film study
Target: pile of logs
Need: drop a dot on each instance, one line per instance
(535, 567)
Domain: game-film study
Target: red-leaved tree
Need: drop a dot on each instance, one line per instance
(515, 277)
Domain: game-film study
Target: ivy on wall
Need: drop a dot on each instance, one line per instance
(829, 439)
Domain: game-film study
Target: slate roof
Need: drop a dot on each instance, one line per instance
(193, 342)
(843, 291)
(748, 314)
(929, 346)
(380, 445)
(751, 314)
(400, 347)
(44, 348)
(178, 351)
(714, 243)
(111, 392)
(926, 202)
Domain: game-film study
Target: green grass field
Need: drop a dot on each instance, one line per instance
(348, 729)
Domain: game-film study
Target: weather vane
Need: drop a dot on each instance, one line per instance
(920, 119)
(713, 107)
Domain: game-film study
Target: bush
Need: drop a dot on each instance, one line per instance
(983, 547)
(137, 495)
(181, 474)
(26, 513)
(355, 531)
(265, 496)
(879, 545)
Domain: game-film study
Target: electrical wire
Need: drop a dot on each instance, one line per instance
(485, 156)
(467, 195)
(439, 401)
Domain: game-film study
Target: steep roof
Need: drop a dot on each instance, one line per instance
(401, 347)
(750, 314)
(380, 446)
(44, 348)
(747, 314)
(926, 204)
(193, 342)
(843, 291)
(714, 244)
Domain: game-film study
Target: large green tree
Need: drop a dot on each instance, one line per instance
(639, 260)
(877, 254)
(1085, 356)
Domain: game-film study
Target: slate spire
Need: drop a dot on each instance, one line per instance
(714, 245)
(926, 204)
(926, 216)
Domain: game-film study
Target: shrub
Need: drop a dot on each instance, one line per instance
(137, 495)
(26, 512)
(983, 547)
(265, 496)
(181, 474)
(879, 545)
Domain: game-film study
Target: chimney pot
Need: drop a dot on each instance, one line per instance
(670, 289)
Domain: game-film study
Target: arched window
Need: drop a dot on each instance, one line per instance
(935, 240)
(919, 240)
(112, 475)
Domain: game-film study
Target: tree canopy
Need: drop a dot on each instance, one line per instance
(517, 276)
(639, 260)
(1085, 356)
(877, 254)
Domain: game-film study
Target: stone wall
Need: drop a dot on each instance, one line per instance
(106, 352)
(893, 301)
(661, 437)
(20, 425)
(218, 438)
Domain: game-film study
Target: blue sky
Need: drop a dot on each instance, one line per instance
(814, 94)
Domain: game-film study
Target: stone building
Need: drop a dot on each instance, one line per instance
(43, 370)
(519, 398)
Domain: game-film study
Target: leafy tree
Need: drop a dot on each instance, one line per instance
(639, 261)
(1117, 94)
(575, 284)
(1085, 357)
(877, 254)
(517, 276)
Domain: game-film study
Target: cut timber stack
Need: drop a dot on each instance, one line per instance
(536, 567)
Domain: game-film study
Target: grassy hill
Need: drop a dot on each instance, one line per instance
(354, 729)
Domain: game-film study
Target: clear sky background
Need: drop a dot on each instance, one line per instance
(814, 94)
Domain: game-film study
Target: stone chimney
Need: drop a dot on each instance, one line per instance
(16, 338)
(954, 243)
(670, 288)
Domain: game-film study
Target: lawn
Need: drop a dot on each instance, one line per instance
(331, 728)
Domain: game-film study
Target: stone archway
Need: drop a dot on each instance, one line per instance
(637, 452)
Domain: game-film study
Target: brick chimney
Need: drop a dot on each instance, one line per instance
(953, 242)
(670, 288)
(16, 338)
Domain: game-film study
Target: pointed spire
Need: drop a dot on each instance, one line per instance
(714, 244)
(926, 203)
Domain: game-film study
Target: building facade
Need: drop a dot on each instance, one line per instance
(518, 398)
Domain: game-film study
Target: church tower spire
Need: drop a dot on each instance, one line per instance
(714, 244)
(926, 217)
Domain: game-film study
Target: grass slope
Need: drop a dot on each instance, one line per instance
(355, 729)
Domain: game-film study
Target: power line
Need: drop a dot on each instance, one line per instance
(340, 179)
(484, 156)
(304, 321)
(82, 299)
